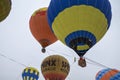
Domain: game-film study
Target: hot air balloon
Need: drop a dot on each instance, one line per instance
(40, 28)
(5, 7)
(55, 67)
(79, 24)
(108, 74)
(30, 73)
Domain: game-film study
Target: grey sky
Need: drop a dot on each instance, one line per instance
(17, 43)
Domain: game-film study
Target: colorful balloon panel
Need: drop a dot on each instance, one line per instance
(79, 24)
(40, 29)
(108, 74)
(55, 67)
(5, 7)
(30, 73)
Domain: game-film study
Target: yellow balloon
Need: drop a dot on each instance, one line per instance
(5, 7)
(55, 67)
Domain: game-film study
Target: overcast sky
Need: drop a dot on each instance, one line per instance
(18, 44)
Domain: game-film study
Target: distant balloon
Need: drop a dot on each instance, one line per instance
(79, 24)
(30, 73)
(40, 29)
(5, 7)
(108, 74)
(55, 67)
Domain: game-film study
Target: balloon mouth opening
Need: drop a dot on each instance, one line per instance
(80, 41)
(44, 42)
(43, 50)
(81, 45)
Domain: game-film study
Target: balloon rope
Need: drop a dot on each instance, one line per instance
(90, 61)
(98, 64)
(6, 57)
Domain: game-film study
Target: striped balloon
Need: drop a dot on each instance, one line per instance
(79, 24)
(108, 74)
(30, 73)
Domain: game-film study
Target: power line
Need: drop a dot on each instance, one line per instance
(96, 63)
(6, 57)
(90, 61)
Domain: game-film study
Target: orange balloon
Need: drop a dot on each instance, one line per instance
(40, 28)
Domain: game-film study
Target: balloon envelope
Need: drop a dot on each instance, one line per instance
(40, 29)
(5, 7)
(79, 24)
(55, 67)
(30, 73)
(108, 74)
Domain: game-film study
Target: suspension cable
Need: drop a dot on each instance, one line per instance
(6, 57)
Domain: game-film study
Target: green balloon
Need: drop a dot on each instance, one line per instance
(5, 7)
